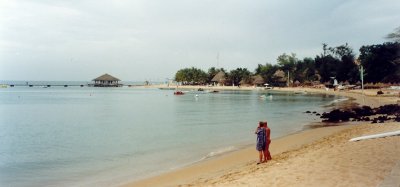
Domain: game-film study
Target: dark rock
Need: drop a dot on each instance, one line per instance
(362, 114)
(365, 119)
(363, 111)
(397, 119)
(337, 115)
(392, 109)
(382, 119)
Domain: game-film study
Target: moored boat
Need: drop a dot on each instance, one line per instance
(178, 93)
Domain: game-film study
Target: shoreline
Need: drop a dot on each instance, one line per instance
(216, 166)
(200, 173)
(367, 97)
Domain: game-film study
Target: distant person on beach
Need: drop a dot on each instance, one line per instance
(261, 141)
(267, 154)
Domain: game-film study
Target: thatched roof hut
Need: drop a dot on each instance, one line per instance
(106, 80)
(106, 77)
(219, 78)
(280, 76)
(258, 80)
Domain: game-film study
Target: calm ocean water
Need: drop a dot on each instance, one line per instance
(106, 136)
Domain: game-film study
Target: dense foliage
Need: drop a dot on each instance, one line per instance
(191, 76)
(338, 62)
(381, 63)
(237, 75)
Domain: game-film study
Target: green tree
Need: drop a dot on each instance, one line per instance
(326, 66)
(239, 74)
(180, 76)
(287, 62)
(191, 76)
(381, 62)
(266, 71)
(348, 69)
(305, 70)
(338, 62)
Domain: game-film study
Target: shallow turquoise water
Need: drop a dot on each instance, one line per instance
(105, 136)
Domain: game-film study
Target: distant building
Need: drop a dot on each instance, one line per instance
(106, 80)
(258, 80)
(219, 79)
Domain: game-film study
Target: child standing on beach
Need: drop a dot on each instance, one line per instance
(261, 140)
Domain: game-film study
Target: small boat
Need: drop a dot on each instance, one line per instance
(200, 89)
(300, 92)
(214, 91)
(178, 93)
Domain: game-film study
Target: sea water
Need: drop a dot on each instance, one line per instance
(82, 136)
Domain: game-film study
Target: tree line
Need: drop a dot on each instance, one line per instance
(381, 64)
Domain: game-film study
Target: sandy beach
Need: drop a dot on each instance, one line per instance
(316, 157)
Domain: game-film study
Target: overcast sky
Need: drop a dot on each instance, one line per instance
(140, 40)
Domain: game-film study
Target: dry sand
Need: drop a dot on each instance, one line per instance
(330, 161)
(317, 157)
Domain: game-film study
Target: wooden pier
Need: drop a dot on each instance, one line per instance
(61, 85)
(48, 85)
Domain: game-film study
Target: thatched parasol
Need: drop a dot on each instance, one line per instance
(219, 77)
